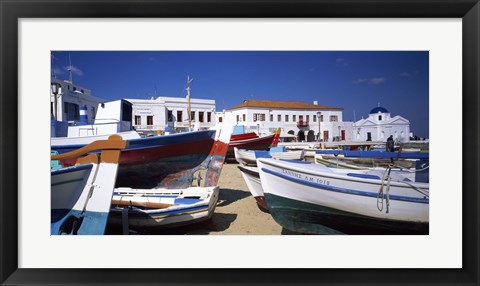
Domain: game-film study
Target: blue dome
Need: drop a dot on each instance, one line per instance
(379, 109)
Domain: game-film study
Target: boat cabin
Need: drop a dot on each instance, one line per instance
(112, 117)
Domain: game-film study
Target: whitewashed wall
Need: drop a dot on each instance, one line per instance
(267, 126)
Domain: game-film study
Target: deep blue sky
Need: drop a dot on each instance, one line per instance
(355, 81)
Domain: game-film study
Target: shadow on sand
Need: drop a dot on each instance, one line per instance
(218, 222)
(289, 232)
(231, 160)
(228, 196)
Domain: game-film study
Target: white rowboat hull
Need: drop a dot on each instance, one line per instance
(290, 186)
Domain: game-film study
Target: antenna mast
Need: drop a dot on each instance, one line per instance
(189, 80)
(69, 69)
(51, 65)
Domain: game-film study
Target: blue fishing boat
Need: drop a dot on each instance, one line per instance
(162, 161)
(167, 161)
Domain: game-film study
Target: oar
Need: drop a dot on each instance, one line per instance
(151, 205)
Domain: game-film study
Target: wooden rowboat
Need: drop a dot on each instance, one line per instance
(81, 195)
(248, 157)
(312, 198)
(157, 208)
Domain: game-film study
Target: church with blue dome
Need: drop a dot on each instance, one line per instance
(379, 125)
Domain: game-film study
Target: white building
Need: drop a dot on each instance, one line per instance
(294, 117)
(171, 113)
(380, 125)
(66, 99)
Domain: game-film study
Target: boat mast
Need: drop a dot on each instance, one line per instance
(189, 80)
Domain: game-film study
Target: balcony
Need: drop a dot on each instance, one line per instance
(302, 123)
(194, 124)
(146, 127)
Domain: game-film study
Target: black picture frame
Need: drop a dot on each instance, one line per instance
(11, 11)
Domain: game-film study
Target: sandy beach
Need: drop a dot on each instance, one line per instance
(236, 213)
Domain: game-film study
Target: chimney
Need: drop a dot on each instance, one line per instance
(315, 102)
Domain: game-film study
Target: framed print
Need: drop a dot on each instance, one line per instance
(447, 31)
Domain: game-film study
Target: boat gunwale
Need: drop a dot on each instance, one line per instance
(140, 140)
(71, 169)
(238, 142)
(400, 184)
(249, 172)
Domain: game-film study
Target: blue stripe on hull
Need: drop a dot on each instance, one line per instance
(74, 222)
(143, 222)
(344, 190)
(375, 154)
(138, 213)
(174, 139)
(148, 142)
(304, 217)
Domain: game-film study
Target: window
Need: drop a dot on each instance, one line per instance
(170, 116)
(333, 118)
(126, 111)
(192, 115)
(294, 118)
(286, 117)
(209, 117)
(308, 118)
(150, 120)
(271, 117)
(300, 118)
(321, 118)
(259, 117)
(238, 118)
(71, 110)
(379, 118)
(279, 118)
(179, 116)
(200, 116)
(244, 117)
(138, 120)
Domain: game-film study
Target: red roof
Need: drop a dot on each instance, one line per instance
(274, 104)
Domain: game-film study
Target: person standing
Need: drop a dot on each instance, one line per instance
(390, 144)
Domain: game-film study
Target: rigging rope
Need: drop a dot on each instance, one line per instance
(380, 197)
(387, 178)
